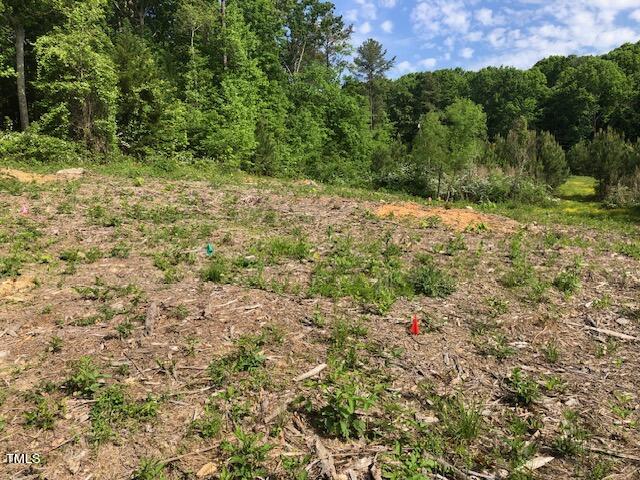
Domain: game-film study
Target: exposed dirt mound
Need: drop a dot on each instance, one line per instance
(14, 285)
(456, 218)
(26, 177)
(29, 177)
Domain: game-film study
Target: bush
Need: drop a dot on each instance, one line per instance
(499, 187)
(30, 146)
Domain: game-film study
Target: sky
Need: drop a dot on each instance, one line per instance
(434, 34)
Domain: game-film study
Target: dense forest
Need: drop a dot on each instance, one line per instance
(274, 87)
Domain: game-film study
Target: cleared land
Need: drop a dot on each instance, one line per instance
(155, 327)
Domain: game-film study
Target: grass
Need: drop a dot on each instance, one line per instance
(576, 205)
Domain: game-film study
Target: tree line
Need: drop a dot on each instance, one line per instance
(274, 87)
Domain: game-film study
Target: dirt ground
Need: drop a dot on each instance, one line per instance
(111, 268)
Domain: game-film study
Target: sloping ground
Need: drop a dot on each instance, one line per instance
(172, 321)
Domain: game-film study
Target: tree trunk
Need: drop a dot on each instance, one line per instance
(224, 34)
(20, 81)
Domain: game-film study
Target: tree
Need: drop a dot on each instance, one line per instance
(586, 98)
(312, 32)
(78, 78)
(530, 154)
(371, 65)
(506, 94)
(22, 16)
(447, 144)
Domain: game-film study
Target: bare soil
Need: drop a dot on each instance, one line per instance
(198, 321)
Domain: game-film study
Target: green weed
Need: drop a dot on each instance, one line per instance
(149, 469)
(246, 457)
(85, 378)
(523, 390)
(570, 441)
(429, 280)
(112, 409)
(209, 424)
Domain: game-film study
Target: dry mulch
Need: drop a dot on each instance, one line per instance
(171, 361)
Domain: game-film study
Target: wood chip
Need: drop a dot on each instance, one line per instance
(207, 470)
(326, 460)
(536, 463)
(314, 371)
(150, 320)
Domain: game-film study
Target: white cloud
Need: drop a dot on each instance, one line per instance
(367, 10)
(485, 16)
(475, 36)
(387, 26)
(364, 28)
(466, 52)
(520, 32)
(427, 62)
(387, 3)
(455, 16)
(351, 15)
(431, 17)
(404, 67)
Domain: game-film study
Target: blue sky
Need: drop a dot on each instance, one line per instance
(433, 34)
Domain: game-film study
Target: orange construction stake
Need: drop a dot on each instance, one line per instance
(415, 326)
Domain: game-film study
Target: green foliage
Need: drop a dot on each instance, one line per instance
(445, 147)
(78, 78)
(149, 469)
(113, 409)
(371, 273)
(85, 378)
(507, 94)
(36, 147)
(427, 279)
(209, 424)
(570, 441)
(45, 413)
(247, 357)
(345, 400)
(412, 465)
(246, 457)
(567, 281)
(523, 390)
(216, 270)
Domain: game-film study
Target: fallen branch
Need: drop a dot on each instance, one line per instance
(613, 333)
(610, 453)
(326, 460)
(195, 452)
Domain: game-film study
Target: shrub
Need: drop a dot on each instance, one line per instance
(429, 280)
(30, 146)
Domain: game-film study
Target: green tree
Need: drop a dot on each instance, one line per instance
(78, 77)
(21, 18)
(447, 145)
(506, 94)
(585, 99)
(149, 118)
(371, 65)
